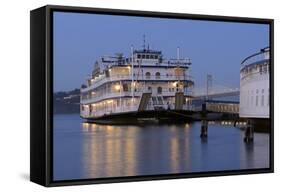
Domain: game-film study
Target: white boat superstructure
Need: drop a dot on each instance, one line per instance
(144, 81)
(254, 85)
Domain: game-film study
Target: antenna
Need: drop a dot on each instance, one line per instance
(144, 41)
(178, 53)
(209, 85)
(132, 70)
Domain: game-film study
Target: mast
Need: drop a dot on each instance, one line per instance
(208, 85)
(144, 42)
(178, 53)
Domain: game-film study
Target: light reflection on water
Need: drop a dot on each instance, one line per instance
(83, 150)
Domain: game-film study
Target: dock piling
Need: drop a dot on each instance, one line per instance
(249, 132)
(204, 129)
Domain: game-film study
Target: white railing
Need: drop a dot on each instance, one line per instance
(109, 96)
(113, 110)
(262, 56)
(255, 72)
(93, 99)
(101, 81)
(127, 108)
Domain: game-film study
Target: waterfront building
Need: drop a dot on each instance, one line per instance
(254, 85)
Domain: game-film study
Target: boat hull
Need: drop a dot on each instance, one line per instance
(167, 116)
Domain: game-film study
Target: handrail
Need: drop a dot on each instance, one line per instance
(255, 55)
(143, 77)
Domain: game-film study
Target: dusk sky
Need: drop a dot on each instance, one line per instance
(215, 48)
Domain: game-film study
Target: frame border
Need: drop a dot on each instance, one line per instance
(50, 9)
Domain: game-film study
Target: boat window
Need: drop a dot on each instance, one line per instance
(257, 100)
(143, 56)
(147, 56)
(159, 90)
(268, 98)
(139, 56)
(260, 69)
(157, 75)
(125, 87)
(265, 68)
(147, 75)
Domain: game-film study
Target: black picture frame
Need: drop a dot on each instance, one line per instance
(41, 93)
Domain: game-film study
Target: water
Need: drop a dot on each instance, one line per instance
(83, 151)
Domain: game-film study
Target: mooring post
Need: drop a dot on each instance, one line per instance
(204, 129)
(249, 132)
(204, 122)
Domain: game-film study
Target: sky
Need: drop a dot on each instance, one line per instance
(215, 48)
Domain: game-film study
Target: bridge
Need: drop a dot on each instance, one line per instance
(218, 94)
(217, 98)
(220, 100)
(215, 89)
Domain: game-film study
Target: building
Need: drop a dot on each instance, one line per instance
(255, 88)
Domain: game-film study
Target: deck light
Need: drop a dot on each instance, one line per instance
(117, 87)
(175, 83)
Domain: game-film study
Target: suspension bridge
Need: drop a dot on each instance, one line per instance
(214, 89)
(216, 97)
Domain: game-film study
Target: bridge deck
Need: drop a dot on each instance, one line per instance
(223, 106)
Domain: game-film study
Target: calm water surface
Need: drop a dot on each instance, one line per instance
(83, 150)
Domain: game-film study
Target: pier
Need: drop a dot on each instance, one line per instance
(145, 85)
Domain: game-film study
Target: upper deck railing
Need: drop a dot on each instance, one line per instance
(261, 56)
(100, 81)
(110, 62)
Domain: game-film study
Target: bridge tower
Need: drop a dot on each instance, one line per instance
(209, 84)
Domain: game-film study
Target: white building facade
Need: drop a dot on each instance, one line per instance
(255, 86)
